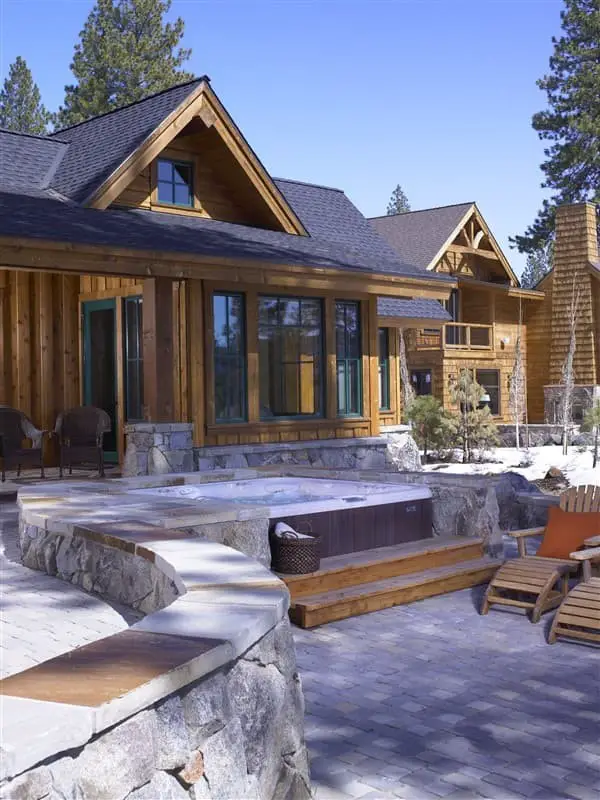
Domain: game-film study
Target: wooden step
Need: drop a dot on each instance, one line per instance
(352, 569)
(317, 609)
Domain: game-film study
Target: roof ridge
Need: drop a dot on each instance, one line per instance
(43, 137)
(307, 183)
(420, 210)
(134, 103)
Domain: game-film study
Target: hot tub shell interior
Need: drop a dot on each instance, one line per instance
(349, 516)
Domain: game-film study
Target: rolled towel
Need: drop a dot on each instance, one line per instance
(282, 530)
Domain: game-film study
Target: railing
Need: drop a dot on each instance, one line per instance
(456, 336)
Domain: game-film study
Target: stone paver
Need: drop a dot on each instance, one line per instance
(432, 700)
(41, 616)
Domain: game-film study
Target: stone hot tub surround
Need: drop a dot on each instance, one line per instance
(200, 699)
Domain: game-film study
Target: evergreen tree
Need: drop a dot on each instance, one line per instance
(21, 107)
(571, 122)
(126, 52)
(398, 202)
(432, 427)
(475, 425)
(538, 264)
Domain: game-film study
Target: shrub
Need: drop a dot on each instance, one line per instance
(475, 425)
(432, 427)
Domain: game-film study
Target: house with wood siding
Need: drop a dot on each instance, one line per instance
(151, 266)
(485, 313)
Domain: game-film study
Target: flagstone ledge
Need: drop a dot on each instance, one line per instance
(208, 606)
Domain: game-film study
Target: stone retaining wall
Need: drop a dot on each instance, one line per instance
(203, 699)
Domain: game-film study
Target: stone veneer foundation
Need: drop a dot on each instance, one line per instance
(200, 699)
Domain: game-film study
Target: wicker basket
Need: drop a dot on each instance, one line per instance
(295, 556)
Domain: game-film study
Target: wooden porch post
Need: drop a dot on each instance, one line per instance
(158, 350)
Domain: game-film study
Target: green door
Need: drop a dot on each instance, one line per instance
(100, 365)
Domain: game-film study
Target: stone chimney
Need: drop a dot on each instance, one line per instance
(575, 253)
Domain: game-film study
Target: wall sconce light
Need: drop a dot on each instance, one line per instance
(485, 398)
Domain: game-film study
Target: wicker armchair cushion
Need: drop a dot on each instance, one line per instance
(567, 531)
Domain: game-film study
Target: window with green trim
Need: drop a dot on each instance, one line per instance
(383, 346)
(290, 356)
(229, 357)
(175, 182)
(348, 358)
(133, 358)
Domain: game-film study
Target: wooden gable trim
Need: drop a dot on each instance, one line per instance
(203, 103)
(455, 232)
(496, 253)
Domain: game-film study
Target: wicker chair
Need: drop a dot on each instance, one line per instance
(80, 434)
(15, 429)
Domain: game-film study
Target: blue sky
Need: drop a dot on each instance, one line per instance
(436, 95)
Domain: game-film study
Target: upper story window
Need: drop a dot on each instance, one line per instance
(175, 182)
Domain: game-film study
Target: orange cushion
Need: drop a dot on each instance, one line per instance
(566, 532)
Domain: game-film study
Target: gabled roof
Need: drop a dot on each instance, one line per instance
(327, 213)
(412, 309)
(99, 145)
(27, 160)
(418, 236)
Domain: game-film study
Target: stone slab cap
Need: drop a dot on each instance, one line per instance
(33, 730)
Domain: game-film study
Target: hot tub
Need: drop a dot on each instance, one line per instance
(348, 515)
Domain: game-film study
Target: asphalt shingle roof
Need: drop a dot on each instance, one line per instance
(327, 213)
(28, 160)
(415, 309)
(418, 235)
(97, 147)
(42, 217)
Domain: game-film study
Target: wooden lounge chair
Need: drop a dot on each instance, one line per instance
(537, 583)
(80, 434)
(578, 616)
(15, 429)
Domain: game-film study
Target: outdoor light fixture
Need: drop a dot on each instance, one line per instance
(485, 398)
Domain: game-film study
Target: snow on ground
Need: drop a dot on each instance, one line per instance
(533, 464)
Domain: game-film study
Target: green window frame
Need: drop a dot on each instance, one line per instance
(229, 357)
(290, 344)
(348, 358)
(175, 182)
(133, 362)
(383, 353)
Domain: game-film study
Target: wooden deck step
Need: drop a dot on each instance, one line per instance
(317, 609)
(340, 572)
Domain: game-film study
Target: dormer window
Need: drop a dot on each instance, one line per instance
(175, 183)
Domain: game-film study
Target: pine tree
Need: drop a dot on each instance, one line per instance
(432, 427)
(475, 426)
(538, 264)
(571, 122)
(21, 107)
(398, 202)
(126, 52)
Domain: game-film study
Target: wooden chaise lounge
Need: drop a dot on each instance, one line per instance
(540, 582)
(578, 616)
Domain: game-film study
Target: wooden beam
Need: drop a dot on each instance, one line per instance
(474, 251)
(373, 329)
(158, 349)
(62, 257)
(196, 337)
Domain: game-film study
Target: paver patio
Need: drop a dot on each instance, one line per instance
(40, 616)
(431, 700)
